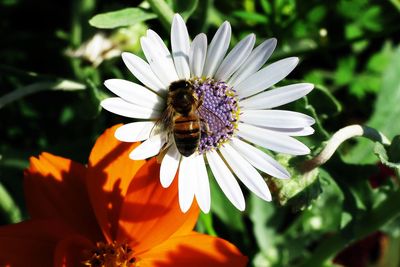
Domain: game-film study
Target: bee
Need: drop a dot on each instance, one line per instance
(181, 119)
(184, 118)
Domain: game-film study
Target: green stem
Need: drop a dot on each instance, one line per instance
(163, 11)
(81, 12)
(206, 219)
(65, 85)
(369, 223)
(8, 208)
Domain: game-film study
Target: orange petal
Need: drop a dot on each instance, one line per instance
(31, 243)
(55, 189)
(150, 213)
(109, 173)
(193, 250)
(72, 251)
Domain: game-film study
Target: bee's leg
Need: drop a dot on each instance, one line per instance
(200, 102)
(164, 148)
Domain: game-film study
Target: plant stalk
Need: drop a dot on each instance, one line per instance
(338, 138)
(163, 11)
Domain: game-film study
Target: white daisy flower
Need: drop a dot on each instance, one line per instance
(229, 96)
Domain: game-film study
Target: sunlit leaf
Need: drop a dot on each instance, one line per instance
(251, 17)
(120, 18)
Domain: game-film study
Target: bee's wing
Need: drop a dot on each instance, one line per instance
(164, 124)
(208, 117)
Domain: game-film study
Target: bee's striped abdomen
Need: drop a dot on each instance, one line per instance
(187, 133)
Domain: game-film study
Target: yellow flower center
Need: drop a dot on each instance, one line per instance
(111, 255)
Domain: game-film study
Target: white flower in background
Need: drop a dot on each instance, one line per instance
(96, 50)
(235, 109)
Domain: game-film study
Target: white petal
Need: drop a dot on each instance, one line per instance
(276, 118)
(169, 166)
(272, 140)
(217, 49)
(163, 50)
(142, 71)
(266, 77)
(135, 93)
(121, 107)
(197, 54)
(180, 47)
(226, 180)
(186, 183)
(245, 172)
(277, 97)
(293, 131)
(148, 148)
(235, 58)
(156, 39)
(158, 61)
(259, 159)
(135, 131)
(254, 62)
(202, 191)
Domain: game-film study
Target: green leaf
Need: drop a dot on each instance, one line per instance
(251, 17)
(379, 61)
(298, 191)
(315, 221)
(120, 18)
(370, 19)
(345, 71)
(317, 14)
(223, 209)
(364, 83)
(385, 115)
(263, 215)
(266, 6)
(390, 156)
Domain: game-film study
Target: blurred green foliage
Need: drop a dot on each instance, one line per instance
(51, 86)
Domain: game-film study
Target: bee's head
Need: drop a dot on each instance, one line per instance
(181, 84)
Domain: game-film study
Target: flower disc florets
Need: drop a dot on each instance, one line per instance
(218, 113)
(111, 255)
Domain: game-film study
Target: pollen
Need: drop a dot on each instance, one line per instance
(219, 112)
(111, 255)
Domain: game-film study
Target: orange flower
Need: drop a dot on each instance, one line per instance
(111, 213)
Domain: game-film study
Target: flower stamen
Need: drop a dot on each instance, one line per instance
(219, 112)
(111, 255)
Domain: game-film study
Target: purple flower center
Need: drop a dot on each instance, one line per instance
(218, 112)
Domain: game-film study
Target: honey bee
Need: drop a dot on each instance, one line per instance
(184, 118)
(181, 119)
